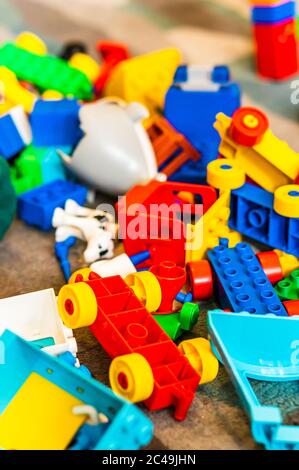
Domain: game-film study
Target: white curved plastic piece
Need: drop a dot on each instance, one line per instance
(35, 317)
(120, 265)
(115, 152)
(94, 418)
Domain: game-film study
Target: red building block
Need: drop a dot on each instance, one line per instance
(292, 307)
(171, 279)
(276, 49)
(112, 53)
(163, 234)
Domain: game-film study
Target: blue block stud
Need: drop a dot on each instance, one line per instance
(241, 283)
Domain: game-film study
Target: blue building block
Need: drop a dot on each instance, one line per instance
(241, 283)
(127, 429)
(56, 123)
(192, 103)
(12, 139)
(263, 348)
(36, 207)
(252, 214)
(274, 13)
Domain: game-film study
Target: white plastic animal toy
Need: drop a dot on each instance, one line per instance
(95, 227)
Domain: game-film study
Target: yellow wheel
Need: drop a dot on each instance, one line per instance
(131, 377)
(225, 174)
(80, 275)
(199, 353)
(77, 305)
(286, 200)
(31, 43)
(146, 287)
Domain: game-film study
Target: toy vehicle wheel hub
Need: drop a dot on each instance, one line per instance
(69, 306)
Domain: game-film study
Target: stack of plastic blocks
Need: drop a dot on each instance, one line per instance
(192, 102)
(274, 25)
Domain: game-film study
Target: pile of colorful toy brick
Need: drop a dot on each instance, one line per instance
(148, 129)
(274, 26)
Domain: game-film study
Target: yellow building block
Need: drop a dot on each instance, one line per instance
(288, 262)
(86, 64)
(225, 175)
(286, 201)
(39, 417)
(205, 234)
(270, 163)
(5, 107)
(14, 92)
(145, 78)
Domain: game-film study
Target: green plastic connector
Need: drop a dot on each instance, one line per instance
(175, 324)
(46, 72)
(288, 288)
(8, 198)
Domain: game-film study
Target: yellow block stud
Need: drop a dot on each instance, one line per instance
(131, 377)
(52, 95)
(199, 353)
(225, 174)
(288, 262)
(32, 43)
(77, 305)
(286, 200)
(86, 64)
(145, 78)
(146, 287)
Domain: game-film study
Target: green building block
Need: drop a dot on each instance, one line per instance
(8, 198)
(288, 288)
(46, 72)
(175, 324)
(36, 166)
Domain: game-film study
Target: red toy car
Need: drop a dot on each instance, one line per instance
(147, 365)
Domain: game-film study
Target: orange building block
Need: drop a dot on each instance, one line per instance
(172, 149)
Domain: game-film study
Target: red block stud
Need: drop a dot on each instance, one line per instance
(292, 307)
(171, 279)
(200, 279)
(248, 126)
(271, 265)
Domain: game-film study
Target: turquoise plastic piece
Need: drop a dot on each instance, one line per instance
(263, 348)
(128, 428)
